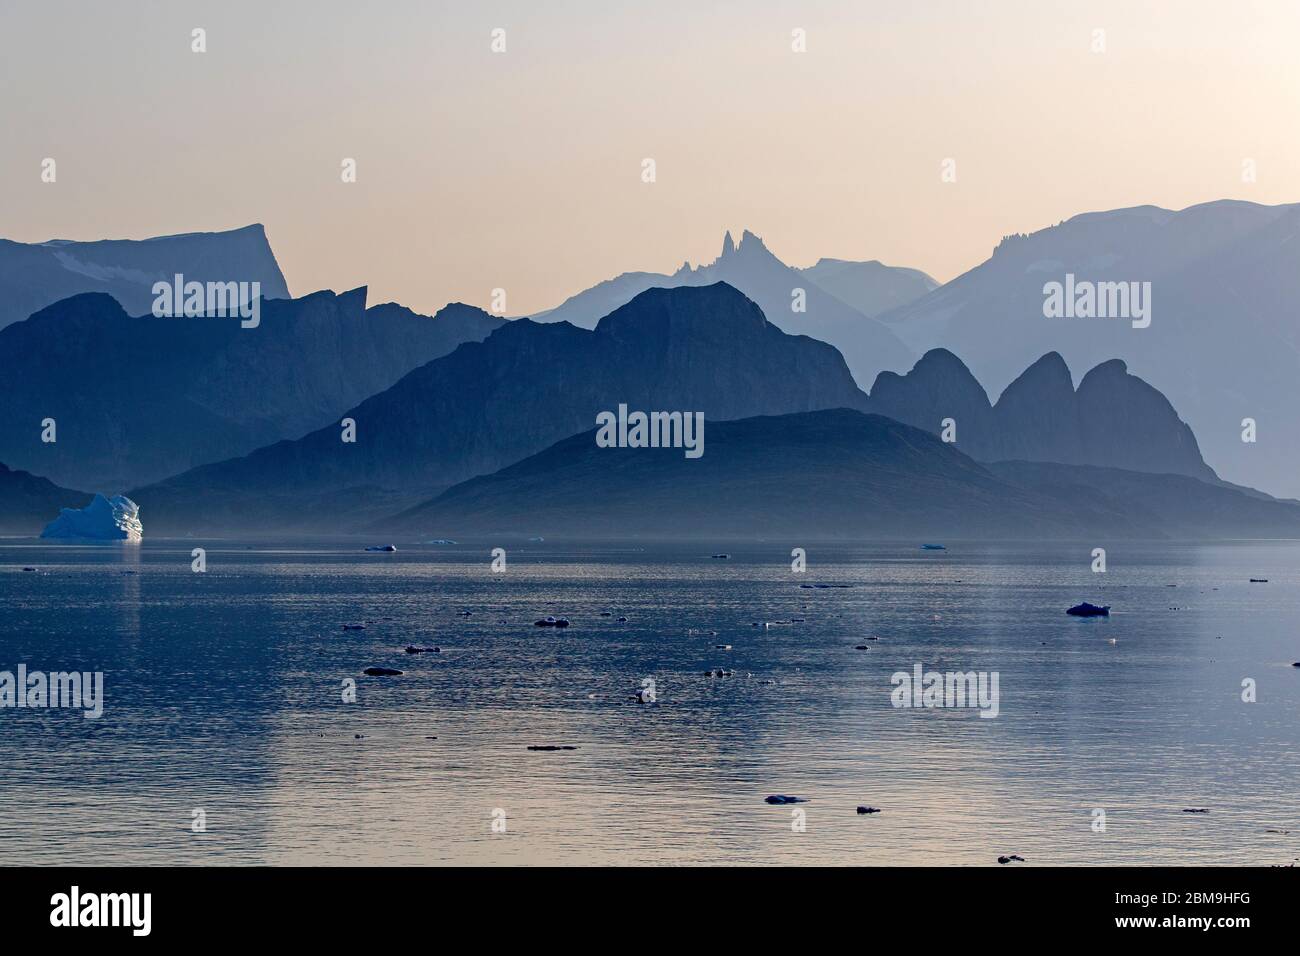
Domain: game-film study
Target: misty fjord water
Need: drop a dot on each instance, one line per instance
(224, 694)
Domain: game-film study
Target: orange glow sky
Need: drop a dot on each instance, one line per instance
(522, 170)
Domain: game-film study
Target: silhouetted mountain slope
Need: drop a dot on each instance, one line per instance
(836, 473)
(1114, 419)
(867, 346)
(34, 275)
(528, 385)
(28, 502)
(1223, 344)
(871, 288)
(137, 398)
(938, 387)
(831, 474)
(1141, 504)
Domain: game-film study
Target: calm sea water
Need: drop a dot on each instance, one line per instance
(224, 693)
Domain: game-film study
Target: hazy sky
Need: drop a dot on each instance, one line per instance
(523, 169)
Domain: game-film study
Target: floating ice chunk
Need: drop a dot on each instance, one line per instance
(104, 519)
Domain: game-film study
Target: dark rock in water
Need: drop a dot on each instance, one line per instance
(606, 614)
(717, 673)
(552, 622)
(860, 647)
(354, 627)
(29, 569)
(1089, 610)
(1196, 810)
(868, 809)
(722, 556)
(551, 747)
(622, 620)
(933, 547)
(1296, 664)
(412, 649)
(1259, 580)
(782, 799)
(1008, 858)
(382, 547)
(820, 587)
(381, 672)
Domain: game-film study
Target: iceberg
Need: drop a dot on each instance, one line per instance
(104, 519)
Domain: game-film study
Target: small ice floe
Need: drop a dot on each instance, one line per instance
(551, 747)
(781, 798)
(868, 809)
(412, 649)
(820, 587)
(1010, 857)
(644, 695)
(382, 672)
(382, 547)
(440, 541)
(552, 622)
(1089, 610)
(354, 627)
(537, 540)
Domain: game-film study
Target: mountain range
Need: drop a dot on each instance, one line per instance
(202, 417)
(138, 398)
(1113, 419)
(707, 349)
(34, 275)
(839, 299)
(831, 474)
(1223, 343)
(525, 387)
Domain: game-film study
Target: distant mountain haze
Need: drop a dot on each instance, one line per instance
(834, 317)
(34, 275)
(136, 399)
(1223, 344)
